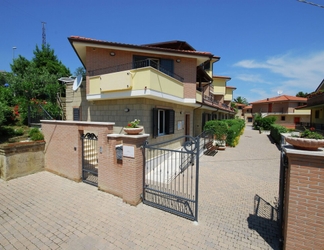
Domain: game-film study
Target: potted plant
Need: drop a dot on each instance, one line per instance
(307, 140)
(133, 127)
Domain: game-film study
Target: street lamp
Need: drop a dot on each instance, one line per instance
(13, 52)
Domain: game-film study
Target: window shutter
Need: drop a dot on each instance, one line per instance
(76, 114)
(169, 121)
(155, 123)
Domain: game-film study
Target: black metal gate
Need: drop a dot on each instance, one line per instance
(171, 176)
(282, 191)
(90, 158)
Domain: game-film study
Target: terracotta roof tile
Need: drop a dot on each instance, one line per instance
(282, 98)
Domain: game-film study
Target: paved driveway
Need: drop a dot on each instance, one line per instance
(238, 187)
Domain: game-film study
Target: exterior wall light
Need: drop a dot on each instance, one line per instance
(178, 60)
(126, 109)
(112, 53)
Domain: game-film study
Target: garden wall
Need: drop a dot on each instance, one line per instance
(21, 158)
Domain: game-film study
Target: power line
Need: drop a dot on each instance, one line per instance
(314, 4)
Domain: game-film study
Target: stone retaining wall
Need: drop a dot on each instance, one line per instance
(21, 158)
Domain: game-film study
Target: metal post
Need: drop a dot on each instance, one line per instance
(197, 175)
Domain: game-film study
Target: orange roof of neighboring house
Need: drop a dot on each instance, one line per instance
(248, 107)
(282, 98)
(166, 46)
(239, 104)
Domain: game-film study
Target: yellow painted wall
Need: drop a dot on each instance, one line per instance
(156, 80)
(94, 85)
(198, 96)
(229, 95)
(219, 86)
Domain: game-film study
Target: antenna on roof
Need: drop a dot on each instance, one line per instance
(279, 92)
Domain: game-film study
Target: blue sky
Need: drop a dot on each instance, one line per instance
(265, 46)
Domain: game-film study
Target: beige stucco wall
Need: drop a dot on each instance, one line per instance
(21, 158)
(114, 111)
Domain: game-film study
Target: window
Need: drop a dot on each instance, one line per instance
(76, 114)
(163, 122)
(317, 114)
(283, 118)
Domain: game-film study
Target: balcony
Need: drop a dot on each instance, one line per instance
(145, 82)
(209, 100)
(315, 99)
(135, 65)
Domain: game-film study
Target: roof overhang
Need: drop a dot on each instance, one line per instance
(80, 45)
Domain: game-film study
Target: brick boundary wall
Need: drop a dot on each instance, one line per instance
(304, 200)
(123, 178)
(64, 147)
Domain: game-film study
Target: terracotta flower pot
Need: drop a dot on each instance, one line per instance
(133, 131)
(304, 143)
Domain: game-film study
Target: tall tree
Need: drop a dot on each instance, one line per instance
(80, 71)
(302, 94)
(36, 82)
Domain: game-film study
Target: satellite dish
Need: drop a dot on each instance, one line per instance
(77, 82)
(279, 92)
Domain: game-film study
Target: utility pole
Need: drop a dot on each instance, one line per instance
(43, 34)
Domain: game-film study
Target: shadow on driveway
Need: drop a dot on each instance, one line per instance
(265, 221)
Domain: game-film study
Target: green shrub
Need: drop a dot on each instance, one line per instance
(7, 131)
(19, 131)
(235, 130)
(217, 127)
(35, 134)
(263, 123)
(275, 132)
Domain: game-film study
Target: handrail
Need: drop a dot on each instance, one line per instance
(135, 65)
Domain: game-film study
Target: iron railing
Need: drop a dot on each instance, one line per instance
(135, 65)
(212, 101)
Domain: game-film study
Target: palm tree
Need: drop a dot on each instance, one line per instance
(241, 100)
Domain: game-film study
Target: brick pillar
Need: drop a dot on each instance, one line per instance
(124, 178)
(304, 200)
(133, 166)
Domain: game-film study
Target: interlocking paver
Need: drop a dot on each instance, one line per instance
(44, 210)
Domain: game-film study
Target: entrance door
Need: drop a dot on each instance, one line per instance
(90, 158)
(296, 120)
(270, 108)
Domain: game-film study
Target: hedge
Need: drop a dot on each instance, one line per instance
(275, 132)
(235, 130)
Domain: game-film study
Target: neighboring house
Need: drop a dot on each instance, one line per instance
(284, 108)
(247, 113)
(168, 86)
(239, 107)
(315, 102)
